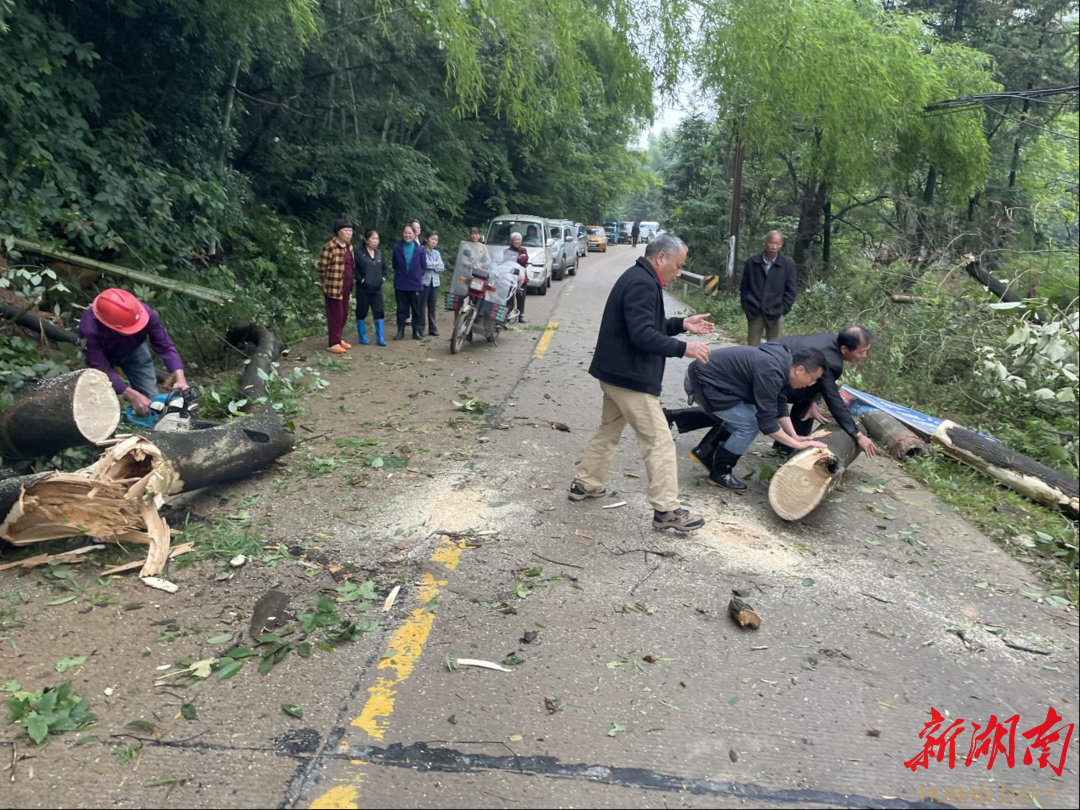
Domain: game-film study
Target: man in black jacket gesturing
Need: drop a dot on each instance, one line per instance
(767, 291)
(635, 338)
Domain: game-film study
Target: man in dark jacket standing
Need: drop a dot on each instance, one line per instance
(745, 388)
(635, 338)
(767, 291)
(635, 234)
(850, 346)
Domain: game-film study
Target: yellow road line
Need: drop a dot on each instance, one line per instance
(402, 654)
(545, 341)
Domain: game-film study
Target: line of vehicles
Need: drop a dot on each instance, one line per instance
(556, 246)
(487, 276)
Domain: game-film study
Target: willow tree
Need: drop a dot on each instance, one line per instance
(837, 90)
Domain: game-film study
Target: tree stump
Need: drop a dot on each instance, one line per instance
(801, 484)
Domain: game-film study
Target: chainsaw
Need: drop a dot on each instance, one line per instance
(171, 412)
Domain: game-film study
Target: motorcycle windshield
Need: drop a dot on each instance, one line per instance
(470, 256)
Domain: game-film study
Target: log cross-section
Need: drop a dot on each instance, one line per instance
(801, 484)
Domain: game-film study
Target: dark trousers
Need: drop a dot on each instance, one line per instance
(366, 299)
(521, 293)
(800, 400)
(337, 312)
(429, 299)
(633, 240)
(408, 302)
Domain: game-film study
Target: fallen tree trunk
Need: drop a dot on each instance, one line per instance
(36, 324)
(900, 298)
(51, 415)
(801, 484)
(1016, 471)
(186, 288)
(268, 348)
(900, 441)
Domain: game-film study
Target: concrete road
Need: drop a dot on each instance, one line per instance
(630, 686)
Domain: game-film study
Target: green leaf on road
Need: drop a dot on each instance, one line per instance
(616, 728)
(293, 709)
(69, 662)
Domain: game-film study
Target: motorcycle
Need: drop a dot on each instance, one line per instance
(482, 295)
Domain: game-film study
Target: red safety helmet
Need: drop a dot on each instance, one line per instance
(120, 311)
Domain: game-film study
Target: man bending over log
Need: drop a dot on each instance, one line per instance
(745, 390)
(115, 331)
(849, 346)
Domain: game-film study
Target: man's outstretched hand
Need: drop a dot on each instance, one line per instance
(698, 325)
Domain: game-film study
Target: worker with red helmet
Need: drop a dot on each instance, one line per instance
(114, 332)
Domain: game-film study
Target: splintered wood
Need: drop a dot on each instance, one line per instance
(115, 500)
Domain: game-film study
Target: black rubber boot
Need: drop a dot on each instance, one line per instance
(723, 463)
(703, 453)
(400, 333)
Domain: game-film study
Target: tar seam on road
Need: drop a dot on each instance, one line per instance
(420, 757)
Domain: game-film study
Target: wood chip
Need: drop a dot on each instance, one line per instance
(389, 603)
(175, 551)
(615, 505)
(161, 584)
(743, 614)
(473, 662)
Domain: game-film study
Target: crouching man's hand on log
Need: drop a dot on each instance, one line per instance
(138, 400)
(867, 444)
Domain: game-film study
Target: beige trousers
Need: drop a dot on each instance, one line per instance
(646, 417)
(758, 325)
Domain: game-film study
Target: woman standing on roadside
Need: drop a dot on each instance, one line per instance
(430, 293)
(370, 274)
(408, 260)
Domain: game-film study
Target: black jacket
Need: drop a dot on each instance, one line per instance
(370, 272)
(828, 344)
(770, 295)
(635, 335)
(754, 374)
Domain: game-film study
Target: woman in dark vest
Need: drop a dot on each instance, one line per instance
(370, 274)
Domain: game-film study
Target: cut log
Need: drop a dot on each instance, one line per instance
(900, 441)
(1016, 471)
(51, 415)
(268, 348)
(801, 484)
(900, 298)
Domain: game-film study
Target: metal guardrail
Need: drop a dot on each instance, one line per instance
(692, 278)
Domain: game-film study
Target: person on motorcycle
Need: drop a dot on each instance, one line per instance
(517, 253)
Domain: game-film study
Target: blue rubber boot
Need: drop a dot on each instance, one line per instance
(380, 332)
(361, 333)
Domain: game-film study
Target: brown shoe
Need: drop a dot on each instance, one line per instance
(678, 519)
(338, 349)
(579, 493)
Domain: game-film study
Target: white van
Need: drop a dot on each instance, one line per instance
(534, 238)
(648, 231)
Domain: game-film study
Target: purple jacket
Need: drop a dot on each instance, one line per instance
(409, 279)
(104, 348)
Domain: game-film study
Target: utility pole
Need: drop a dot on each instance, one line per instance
(736, 199)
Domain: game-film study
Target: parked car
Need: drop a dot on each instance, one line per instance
(535, 240)
(597, 238)
(564, 254)
(611, 227)
(583, 240)
(649, 230)
(625, 237)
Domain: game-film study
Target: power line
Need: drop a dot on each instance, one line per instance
(1006, 95)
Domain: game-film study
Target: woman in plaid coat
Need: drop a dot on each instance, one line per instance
(336, 271)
